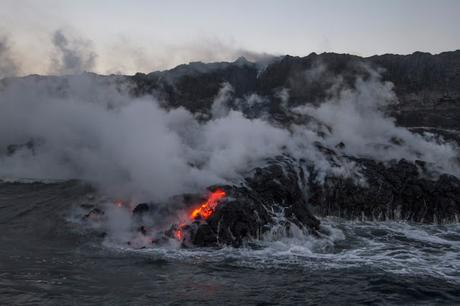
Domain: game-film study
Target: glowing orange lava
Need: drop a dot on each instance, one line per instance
(179, 234)
(207, 208)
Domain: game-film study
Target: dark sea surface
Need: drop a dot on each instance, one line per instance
(46, 258)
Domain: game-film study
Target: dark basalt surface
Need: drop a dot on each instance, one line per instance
(398, 190)
(426, 85)
(248, 210)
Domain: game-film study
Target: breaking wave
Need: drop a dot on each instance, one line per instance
(398, 248)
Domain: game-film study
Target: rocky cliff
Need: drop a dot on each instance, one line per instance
(427, 86)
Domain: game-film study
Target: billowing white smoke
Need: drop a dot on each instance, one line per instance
(356, 117)
(131, 147)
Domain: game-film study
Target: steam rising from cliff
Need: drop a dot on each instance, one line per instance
(124, 145)
(357, 118)
(8, 66)
(81, 127)
(73, 55)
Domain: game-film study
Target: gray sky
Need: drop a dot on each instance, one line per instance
(143, 35)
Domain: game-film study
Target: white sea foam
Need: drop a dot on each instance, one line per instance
(394, 247)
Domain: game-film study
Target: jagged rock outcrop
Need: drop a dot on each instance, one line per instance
(427, 86)
(251, 210)
(195, 85)
(396, 191)
(270, 195)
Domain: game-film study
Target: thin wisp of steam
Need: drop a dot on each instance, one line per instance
(73, 55)
(8, 66)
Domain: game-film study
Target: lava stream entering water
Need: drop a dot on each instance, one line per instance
(205, 210)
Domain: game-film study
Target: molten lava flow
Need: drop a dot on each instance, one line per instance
(179, 234)
(207, 208)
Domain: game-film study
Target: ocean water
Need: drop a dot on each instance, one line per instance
(47, 258)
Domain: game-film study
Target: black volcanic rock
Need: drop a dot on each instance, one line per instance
(195, 85)
(141, 209)
(395, 191)
(280, 194)
(272, 192)
(427, 86)
(272, 195)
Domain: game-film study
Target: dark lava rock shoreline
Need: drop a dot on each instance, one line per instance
(395, 191)
(281, 190)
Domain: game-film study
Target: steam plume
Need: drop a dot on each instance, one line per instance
(74, 55)
(8, 67)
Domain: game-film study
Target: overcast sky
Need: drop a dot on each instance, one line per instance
(130, 36)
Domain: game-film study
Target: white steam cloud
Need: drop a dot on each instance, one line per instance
(356, 117)
(131, 147)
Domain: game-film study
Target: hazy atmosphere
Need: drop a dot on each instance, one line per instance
(125, 37)
(230, 152)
